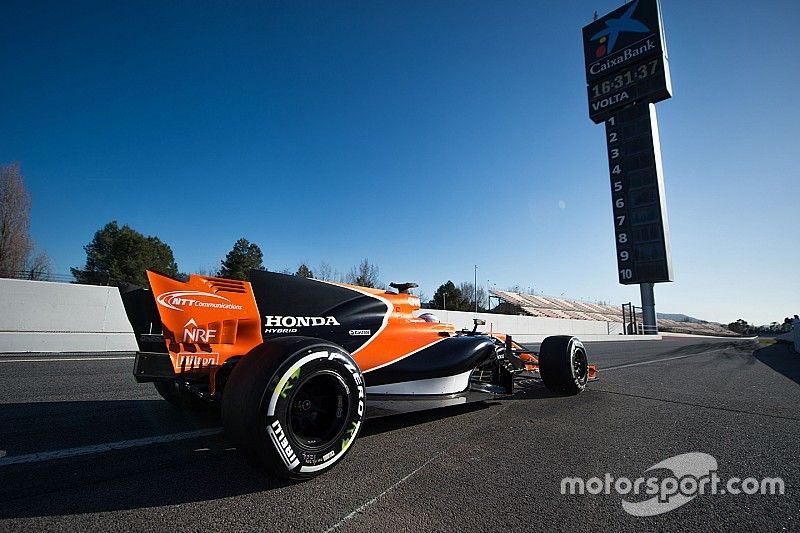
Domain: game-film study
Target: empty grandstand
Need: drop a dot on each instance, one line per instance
(551, 307)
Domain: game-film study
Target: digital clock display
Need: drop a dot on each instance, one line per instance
(625, 78)
(644, 81)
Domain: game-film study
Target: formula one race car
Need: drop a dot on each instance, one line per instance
(297, 363)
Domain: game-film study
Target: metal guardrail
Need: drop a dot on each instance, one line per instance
(646, 330)
(33, 275)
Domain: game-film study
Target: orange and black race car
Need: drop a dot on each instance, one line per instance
(296, 364)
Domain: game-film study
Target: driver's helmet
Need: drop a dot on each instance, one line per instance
(429, 317)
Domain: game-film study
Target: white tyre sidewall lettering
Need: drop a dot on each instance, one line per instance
(357, 393)
(574, 346)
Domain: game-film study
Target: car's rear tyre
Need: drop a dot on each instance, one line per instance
(563, 364)
(295, 404)
(181, 398)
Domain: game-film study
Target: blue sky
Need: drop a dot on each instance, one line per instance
(426, 136)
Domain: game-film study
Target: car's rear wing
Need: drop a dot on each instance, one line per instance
(140, 306)
(190, 326)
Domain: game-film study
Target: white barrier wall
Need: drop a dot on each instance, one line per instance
(39, 316)
(534, 329)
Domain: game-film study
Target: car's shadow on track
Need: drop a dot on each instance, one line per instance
(183, 471)
(146, 474)
(376, 426)
(149, 475)
(781, 358)
(526, 388)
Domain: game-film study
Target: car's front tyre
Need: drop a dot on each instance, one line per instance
(563, 364)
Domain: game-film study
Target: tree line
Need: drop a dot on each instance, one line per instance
(120, 255)
(774, 328)
(19, 256)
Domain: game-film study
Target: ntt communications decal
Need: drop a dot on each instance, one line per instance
(180, 300)
(691, 475)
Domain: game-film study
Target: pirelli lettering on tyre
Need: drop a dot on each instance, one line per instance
(359, 383)
(349, 408)
(281, 443)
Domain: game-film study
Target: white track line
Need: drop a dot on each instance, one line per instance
(361, 509)
(606, 369)
(106, 447)
(66, 359)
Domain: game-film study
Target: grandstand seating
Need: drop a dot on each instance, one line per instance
(552, 307)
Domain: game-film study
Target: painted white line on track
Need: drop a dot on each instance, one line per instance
(105, 447)
(55, 360)
(627, 365)
(363, 507)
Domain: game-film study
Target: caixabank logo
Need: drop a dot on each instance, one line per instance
(608, 36)
(629, 33)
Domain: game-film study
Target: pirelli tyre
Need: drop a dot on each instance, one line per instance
(295, 404)
(563, 364)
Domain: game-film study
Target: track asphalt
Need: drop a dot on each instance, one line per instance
(82, 446)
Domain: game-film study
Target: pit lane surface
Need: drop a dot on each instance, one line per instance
(494, 466)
